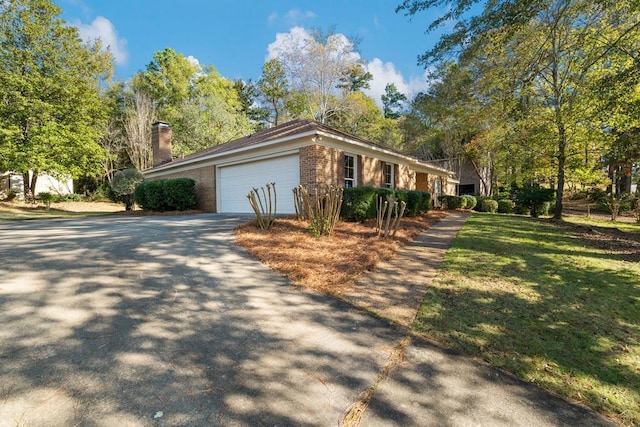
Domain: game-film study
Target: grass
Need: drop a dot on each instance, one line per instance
(627, 227)
(533, 298)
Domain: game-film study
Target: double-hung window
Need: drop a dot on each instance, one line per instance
(388, 175)
(349, 171)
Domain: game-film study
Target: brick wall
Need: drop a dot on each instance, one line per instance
(319, 164)
(205, 178)
(406, 178)
(372, 172)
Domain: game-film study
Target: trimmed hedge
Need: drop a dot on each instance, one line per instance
(167, 194)
(488, 205)
(506, 206)
(359, 203)
(470, 201)
(453, 202)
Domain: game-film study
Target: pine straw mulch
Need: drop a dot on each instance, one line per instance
(329, 264)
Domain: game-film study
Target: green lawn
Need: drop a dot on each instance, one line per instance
(527, 296)
(628, 227)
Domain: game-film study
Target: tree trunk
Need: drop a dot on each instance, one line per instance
(562, 157)
(29, 181)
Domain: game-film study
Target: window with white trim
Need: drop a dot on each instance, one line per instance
(388, 175)
(349, 171)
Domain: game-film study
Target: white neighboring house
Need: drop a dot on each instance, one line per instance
(44, 184)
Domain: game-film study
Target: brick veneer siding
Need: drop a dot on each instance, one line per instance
(205, 178)
(324, 165)
(321, 165)
(406, 178)
(372, 172)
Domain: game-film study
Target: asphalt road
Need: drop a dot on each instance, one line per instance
(127, 321)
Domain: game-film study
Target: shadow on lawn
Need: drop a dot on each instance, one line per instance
(544, 309)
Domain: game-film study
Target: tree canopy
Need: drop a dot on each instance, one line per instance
(203, 108)
(542, 73)
(51, 110)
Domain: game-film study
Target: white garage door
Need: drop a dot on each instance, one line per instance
(236, 181)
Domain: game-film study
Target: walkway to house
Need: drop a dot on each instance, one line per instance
(395, 288)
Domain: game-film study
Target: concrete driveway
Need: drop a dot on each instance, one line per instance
(142, 321)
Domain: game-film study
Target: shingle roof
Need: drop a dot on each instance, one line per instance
(288, 129)
(281, 131)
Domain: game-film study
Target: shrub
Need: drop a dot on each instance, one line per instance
(46, 198)
(180, 194)
(154, 195)
(479, 203)
(358, 203)
(506, 206)
(489, 205)
(470, 201)
(536, 198)
(426, 202)
(521, 209)
(540, 209)
(167, 194)
(452, 202)
(414, 203)
(73, 197)
(123, 186)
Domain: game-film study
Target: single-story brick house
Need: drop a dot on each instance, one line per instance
(290, 154)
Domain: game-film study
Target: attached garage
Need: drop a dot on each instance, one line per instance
(235, 181)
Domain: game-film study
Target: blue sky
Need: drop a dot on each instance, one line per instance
(234, 35)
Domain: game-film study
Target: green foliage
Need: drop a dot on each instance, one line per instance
(46, 198)
(180, 194)
(521, 209)
(359, 203)
(470, 201)
(200, 105)
(537, 199)
(123, 186)
(488, 205)
(577, 302)
(167, 194)
(73, 197)
(414, 203)
(426, 202)
(392, 100)
(51, 112)
(453, 202)
(506, 206)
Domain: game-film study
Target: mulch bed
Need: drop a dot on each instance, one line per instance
(328, 264)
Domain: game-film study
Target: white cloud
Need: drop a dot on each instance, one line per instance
(101, 28)
(272, 17)
(294, 16)
(297, 37)
(383, 72)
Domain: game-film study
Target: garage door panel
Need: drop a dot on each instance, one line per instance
(236, 182)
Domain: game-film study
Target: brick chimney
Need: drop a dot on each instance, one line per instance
(161, 143)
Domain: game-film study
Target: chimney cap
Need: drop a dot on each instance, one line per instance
(161, 124)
